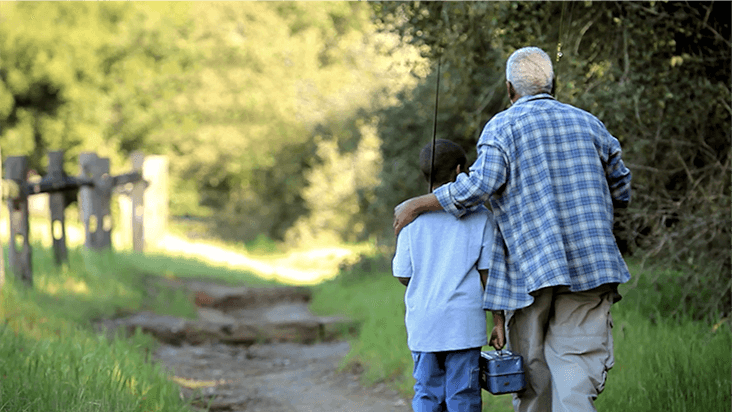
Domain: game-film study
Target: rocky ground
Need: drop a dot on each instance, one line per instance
(258, 350)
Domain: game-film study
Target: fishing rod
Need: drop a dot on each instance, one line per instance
(559, 49)
(434, 125)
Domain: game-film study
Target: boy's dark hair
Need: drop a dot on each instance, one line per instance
(448, 155)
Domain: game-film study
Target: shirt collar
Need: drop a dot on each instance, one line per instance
(523, 99)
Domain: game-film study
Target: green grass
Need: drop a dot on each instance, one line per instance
(52, 359)
(667, 365)
(381, 343)
(664, 361)
(81, 372)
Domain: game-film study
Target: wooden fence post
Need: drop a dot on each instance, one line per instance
(138, 206)
(16, 169)
(57, 204)
(87, 203)
(95, 201)
(103, 184)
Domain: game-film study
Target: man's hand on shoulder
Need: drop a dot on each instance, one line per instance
(408, 210)
(404, 214)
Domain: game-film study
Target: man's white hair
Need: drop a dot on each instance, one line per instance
(530, 71)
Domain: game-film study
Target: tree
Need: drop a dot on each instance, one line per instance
(276, 81)
(238, 95)
(86, 76)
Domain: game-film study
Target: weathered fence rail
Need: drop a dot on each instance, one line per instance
(95, 187)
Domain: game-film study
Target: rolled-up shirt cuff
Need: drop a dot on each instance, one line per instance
(447, 202)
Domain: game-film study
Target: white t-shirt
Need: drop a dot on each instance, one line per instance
(442, 254)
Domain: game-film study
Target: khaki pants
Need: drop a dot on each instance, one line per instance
(566, 341)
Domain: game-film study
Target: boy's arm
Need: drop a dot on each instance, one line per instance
(483, 276)
(498, 334)
(401, 264)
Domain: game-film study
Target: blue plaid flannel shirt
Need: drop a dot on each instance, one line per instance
(553, 174)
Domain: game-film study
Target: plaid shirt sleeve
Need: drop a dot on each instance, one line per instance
(470, 191)
(618, 176)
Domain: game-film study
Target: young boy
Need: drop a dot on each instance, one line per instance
(443, 261)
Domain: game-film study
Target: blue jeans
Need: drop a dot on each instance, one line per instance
(447, 381)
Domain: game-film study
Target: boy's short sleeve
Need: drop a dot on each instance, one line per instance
(401, 265)
(486, 249)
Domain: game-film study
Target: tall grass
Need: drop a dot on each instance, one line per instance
(52, 359)
(675, 365)
(80, 372)
(664, 362)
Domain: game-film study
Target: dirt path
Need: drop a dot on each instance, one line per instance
(257, 349)
(277, 377)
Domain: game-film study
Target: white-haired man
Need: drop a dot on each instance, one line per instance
(553, 175)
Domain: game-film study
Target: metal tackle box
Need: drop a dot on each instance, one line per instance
(502, 372)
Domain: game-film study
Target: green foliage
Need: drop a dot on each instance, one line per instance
(53, 360)
(86, 77)
(276, 81)
(263, 245)
(338, 189)
(365, 266)
(657, 74)
(238, 95)
(82, 374)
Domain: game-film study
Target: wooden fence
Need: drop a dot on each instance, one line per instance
(95, 187)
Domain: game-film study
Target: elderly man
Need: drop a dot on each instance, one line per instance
(553, 175)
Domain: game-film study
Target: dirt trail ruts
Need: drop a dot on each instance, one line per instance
(257, 349)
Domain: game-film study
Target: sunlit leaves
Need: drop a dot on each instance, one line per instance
(70, 66)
